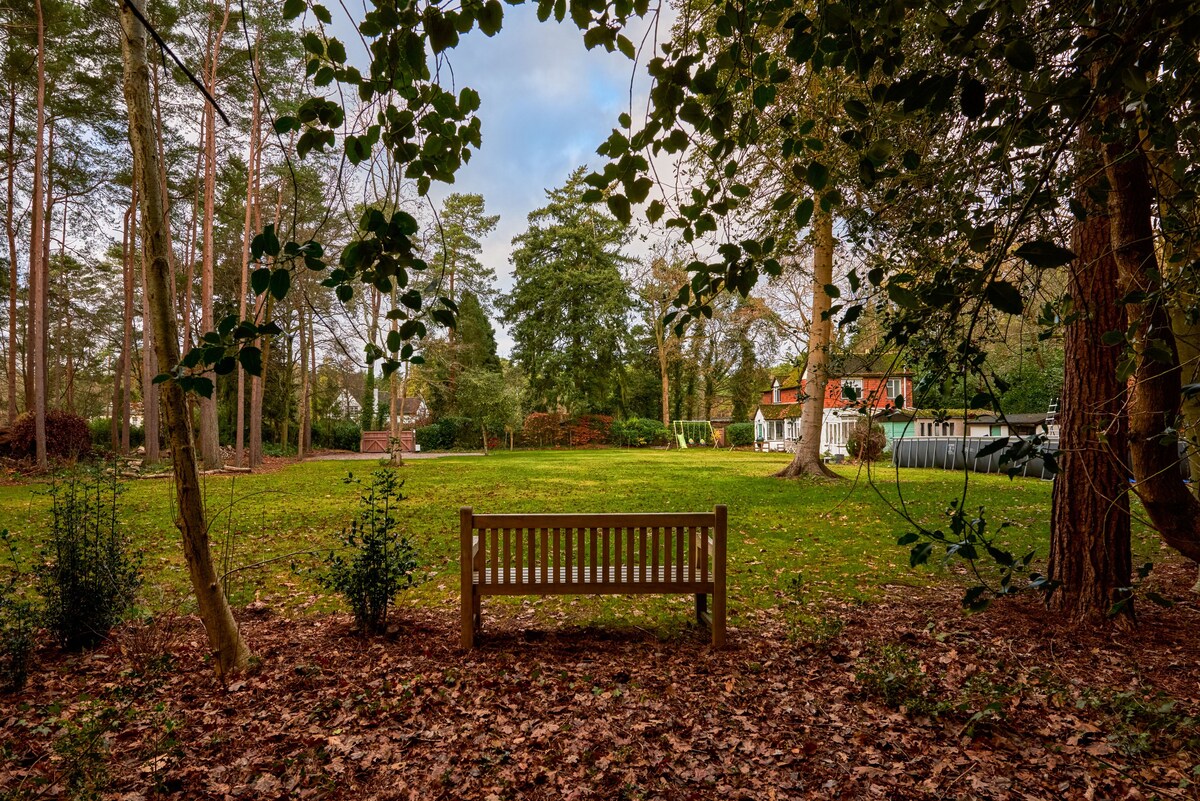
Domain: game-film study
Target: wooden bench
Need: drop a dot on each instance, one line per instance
(596, 554)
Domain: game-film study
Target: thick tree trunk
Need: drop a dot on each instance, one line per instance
(37, 255)
(808, 461)
(1157, 392)
(11, 230)
(229, 651)
(1090, 553)
(664, 380)
(210, 439)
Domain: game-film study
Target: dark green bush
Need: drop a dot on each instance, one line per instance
(337, 435)
(376, 561)
(88, 575)
(450, 433)
(638, 432)
(18, 623)
(738, 434)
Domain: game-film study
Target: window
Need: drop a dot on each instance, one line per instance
(775, 393)
(997, 431)
(895, 389)
(852, 389)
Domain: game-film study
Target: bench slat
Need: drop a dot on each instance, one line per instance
(588, 520)
(620, 554)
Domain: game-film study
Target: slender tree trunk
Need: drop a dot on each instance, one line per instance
(312, 381)
(1090, 553)
(37, 254)
(149, 370)
(68, 329)
(11, 230)
(302, 422)
(228, 649)
(127, 346)
(210, 440)
(662, 333)
(189, 258)
(808, 451)
(261, 315)
(244, 288)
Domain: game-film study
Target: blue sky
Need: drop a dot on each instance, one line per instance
(546, 105)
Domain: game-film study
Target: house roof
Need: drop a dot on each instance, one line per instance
(780, 411)
(844, 366)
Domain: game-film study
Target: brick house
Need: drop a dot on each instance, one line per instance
(874, 381)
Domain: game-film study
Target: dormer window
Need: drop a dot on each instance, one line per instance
(775, 392)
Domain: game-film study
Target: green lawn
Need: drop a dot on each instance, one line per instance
(840, 536)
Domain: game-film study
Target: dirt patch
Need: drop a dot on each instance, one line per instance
(904, 699)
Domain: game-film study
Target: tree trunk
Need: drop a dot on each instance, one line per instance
(210, 439)
(149, 369)
(808, 461)
(1090, 553)
(1157, 391)
(302, 417)
(228, 649)
(262, 313)
(189, 256)
(37, 255)
(130, 243)
(11, 230)
(244, 287)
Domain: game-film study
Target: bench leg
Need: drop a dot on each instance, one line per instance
(718, 616)
(475, 609)
(701, 608)
(469, 600)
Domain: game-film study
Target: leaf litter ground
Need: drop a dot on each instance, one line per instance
(904, 698)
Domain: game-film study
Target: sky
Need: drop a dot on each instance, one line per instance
(546, 105)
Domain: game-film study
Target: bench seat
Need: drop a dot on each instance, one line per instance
(600, 554)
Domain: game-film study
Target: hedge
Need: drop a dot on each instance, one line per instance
(737, 434)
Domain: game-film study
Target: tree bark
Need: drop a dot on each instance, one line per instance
(37, 255)
(129, 244)
(1090, 555)
(1157, 391)
(808, 461)
(210, 440)
(244, 288)
(229, 651)
(150, 363)
(302, 417)
(11, 230)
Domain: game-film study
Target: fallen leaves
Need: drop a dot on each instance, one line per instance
(611, 713)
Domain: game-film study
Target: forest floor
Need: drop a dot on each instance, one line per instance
(902, 697)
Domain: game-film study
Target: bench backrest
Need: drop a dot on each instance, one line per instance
(677, 550)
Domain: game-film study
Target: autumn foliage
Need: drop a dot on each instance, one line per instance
(67, 436)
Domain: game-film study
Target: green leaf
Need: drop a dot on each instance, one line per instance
(321, 13)
(281, 282)
(908, 538)
(902, 296)
(1005, 297)
(857, 110)
(1045, 254)
(804, 212)
(344, 293)
(260, 279)
(817, 175)
(251, 360)
(619, 206)
(993, 447)
(655, 211)
(973, 98)
(491, 17)
(832, 291)
(292, 9)
(1020, 54)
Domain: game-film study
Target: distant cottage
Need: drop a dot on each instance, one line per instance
(855, 382)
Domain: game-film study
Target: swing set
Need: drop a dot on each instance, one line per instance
(694, 433)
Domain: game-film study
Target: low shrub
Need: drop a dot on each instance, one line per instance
(893, 675)
(545, 429)
(589, 429)
(739, 434)
(638, 432)
(336, 435)
(450, 433)
(68, 436)
(89, 575)
(376, 561)
(18, 623)
(102, 434)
